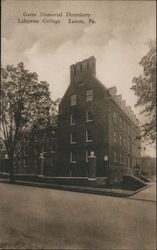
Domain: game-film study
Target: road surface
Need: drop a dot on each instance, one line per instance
(40, 218)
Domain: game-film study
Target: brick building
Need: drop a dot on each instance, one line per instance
(93, 118)
(35, 147)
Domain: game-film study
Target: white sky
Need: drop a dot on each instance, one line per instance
(117, 40)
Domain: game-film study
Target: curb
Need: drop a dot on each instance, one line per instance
(137, 191)
(73, 189)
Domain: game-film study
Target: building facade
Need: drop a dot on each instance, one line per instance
(35, 153)
(93, 118)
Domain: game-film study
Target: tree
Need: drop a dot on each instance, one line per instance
(25, 105)
(144, 87)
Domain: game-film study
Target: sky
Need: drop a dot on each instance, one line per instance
(116, 39)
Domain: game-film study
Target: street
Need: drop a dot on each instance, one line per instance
(40, 218)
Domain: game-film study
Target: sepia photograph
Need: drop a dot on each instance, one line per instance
(78, 125)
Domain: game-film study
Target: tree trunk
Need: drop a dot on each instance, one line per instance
(11, 170)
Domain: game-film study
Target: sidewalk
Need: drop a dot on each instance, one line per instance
(81, 189)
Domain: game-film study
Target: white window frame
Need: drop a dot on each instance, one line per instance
(71, 120)
(73, 100)
(114, 156)
(35, 163)
(87, 140)
(45, 147)
(71, 158)
(35, 150)
(71, 139)
(89, 95)
(87, 155)
(24, 164)
(87, 112)
(115, 136)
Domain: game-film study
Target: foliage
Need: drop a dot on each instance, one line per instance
(25, 105)
(144, 87)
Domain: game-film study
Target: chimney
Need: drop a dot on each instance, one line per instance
(80, 69)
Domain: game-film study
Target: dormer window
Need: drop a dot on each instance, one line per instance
(73, 100)
(89, 95)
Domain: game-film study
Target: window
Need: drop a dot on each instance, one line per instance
(124, 125)
(89, 95)
(73, 100)
(115, 136)
(72, 119)
(129, 130)
(52, 147)
(114, 117)
(35, 150)
(89, 135)
(120, 120)
(73, 158)
(35, 163)
(124, 140)
(25, 138)
(80, 83)
(35, 138)
(120, 158)
(44, 148)
(53, 163)
(73, 138)
(114, 156)
(25, 163)
(121, 139)
(129, 145)
(87, 155)
(26, 151)
(89, 116)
